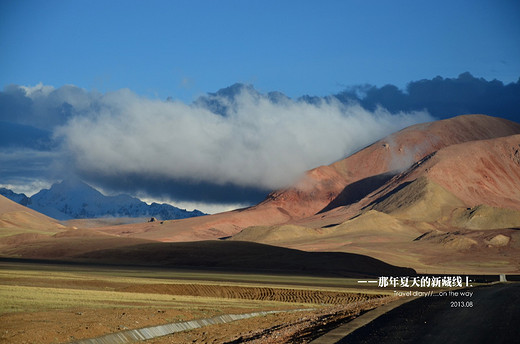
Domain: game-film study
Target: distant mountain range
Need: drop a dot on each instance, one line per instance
(74, 199)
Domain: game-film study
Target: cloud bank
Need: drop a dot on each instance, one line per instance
(442, 97)
(257, 143)
(225, 147)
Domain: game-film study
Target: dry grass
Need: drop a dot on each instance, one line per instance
(117, 277)
(61, 303)
(28, 289)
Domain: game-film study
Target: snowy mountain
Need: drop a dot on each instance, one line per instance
(73, 199)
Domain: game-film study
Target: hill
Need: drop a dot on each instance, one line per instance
(208, 255)
(457, 208)
(15, 217)
(372, 166)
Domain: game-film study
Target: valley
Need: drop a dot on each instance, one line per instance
(434, 198)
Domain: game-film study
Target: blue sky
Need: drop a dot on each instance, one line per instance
(185, 48)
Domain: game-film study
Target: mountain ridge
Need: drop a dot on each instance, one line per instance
(74, 199)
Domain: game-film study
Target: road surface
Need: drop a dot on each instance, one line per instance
(490, 315)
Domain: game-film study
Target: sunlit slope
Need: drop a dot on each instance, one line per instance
(456, 209)
(391, 154)
(15, 218)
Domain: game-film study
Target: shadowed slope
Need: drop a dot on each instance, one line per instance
(420, 200)
(62, 245)
(245, 256)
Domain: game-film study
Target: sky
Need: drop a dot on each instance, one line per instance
(85, 87)
(182, 49)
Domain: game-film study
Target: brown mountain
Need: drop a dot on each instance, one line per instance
(337, 188)
(456, 208)
(371, 167)
(14, 216)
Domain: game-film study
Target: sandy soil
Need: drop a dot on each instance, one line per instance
(64, 326)
(297, 327)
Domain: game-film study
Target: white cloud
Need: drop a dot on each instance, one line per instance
(27, 186)
(38, 90)
(259, 143)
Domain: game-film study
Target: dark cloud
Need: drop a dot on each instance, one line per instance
(14, 135)
(160, 187)
(45, 107)
(28, 170)
(442, 97)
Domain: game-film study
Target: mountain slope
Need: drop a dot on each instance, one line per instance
(419, 200)
(456, 209)
(16, 216)
(395, 153)
(479, 172)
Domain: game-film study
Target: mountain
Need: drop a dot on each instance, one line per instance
(456, 207)
(15, 197)
(73, 199)
(348, 180)
(439, 196)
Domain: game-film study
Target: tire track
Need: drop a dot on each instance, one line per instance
(253, 293)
